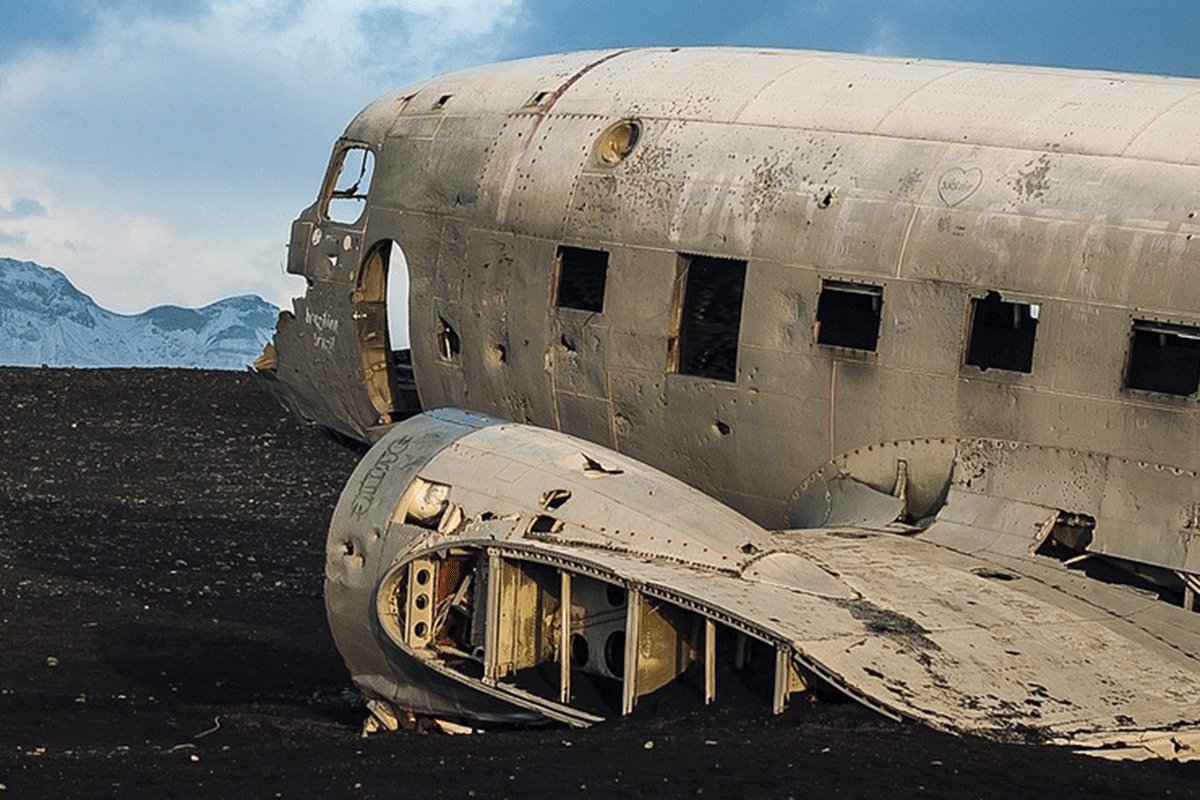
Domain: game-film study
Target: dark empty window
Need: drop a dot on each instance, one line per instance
(710, 316)
(848, 315)
(449, 345)
(1002, 334)
(1164, 358)
(581, 277)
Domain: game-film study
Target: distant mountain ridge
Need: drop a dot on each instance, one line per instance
(44, 319)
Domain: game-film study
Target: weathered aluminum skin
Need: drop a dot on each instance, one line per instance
(949, 627)
(930, 486)
(1077, 191)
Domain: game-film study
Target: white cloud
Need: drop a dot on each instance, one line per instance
(169, 155)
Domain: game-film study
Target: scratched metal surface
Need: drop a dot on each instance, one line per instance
(992, 644)
(1075, 191)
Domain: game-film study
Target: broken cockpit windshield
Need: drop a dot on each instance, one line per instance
(346, 197)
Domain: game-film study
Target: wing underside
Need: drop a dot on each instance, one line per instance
(549, 551)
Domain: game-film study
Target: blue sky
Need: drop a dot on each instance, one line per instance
(157, 151)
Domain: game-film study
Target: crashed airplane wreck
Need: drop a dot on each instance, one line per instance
(828, 373)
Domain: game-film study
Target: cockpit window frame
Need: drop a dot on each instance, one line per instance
(337, 161)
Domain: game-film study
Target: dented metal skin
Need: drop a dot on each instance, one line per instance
(965, 636)
(927, 198)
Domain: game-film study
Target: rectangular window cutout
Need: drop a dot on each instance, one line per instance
(581, 277)
(1002, 334)
(346, 199)
(448, 343)
(709, 317)
(1164, 358)
(848, 315)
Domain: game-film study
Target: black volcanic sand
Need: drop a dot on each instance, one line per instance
(161, 541)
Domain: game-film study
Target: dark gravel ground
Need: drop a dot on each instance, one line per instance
(162, 635)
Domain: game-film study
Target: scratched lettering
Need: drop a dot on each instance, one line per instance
(957, 184)
(948, 225)
(368, 487)
(323, 322)
(325, 327)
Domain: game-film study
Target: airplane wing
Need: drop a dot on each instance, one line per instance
(475, 565)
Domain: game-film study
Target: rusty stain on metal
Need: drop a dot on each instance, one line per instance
(942, 317)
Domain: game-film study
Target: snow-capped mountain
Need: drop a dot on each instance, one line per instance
(44, 319)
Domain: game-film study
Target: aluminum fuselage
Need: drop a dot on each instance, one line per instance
(933, 183)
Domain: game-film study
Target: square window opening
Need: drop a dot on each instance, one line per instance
(709, 314)
(1002, 334)
(848, 315)
(1164, 358)
(347, 197)
(582, 275)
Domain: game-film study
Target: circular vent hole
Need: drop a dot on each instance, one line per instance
(618, 141)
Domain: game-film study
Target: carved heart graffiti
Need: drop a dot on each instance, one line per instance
(957, 184)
